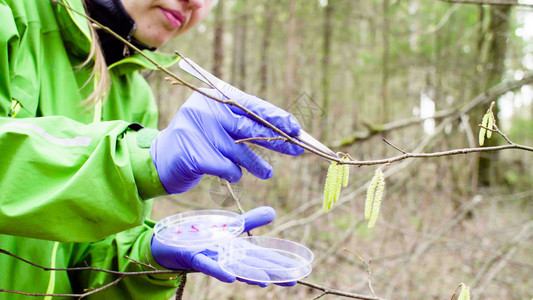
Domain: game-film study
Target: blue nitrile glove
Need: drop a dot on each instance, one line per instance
(201, 140)
(205, 259)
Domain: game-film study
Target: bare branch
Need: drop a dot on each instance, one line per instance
(268, 139)
(393, 146)
(494, 265)
(121, 275)
(482, 99)
(328, 291)
(490, 2)
(234, 197)
(147, 265)
(367, 264)
(438, 154)
(79, 296)
(89, 268)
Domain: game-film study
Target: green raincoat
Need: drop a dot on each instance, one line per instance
(72, 191)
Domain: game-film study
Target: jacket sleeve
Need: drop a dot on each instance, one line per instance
(63, 180)
(109, 254)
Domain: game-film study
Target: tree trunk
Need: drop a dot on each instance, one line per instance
(328, 11)
(264, 63)
(242, 60)
(385, 63)
(218, 55)
(496, 40)
(291, 59)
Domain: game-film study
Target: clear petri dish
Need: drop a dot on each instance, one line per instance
(200, 228)
(265, 259)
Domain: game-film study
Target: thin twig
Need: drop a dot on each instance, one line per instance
(367, 264)
(79, 296)
(147, 265)
(268, 139)
(455, 292)
(329, 291)
(437, 154)
(490, 2)
(121, 275)
(320, 296)
(503, 135)
(493, 266)
(228, 185)
(393, 146)
(89, 268)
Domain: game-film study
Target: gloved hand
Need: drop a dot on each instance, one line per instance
(205, 259)
(201, 140)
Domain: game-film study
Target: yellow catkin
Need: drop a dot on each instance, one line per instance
(330, 186)
(378, 196)
(370, 195)
(482, 130)
(345, 175)
(340, 180)
(327, 187)
(490, 125)
(335, 184)
(465, 292)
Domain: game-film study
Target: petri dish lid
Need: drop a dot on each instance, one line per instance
(265, 259)
(200, 228)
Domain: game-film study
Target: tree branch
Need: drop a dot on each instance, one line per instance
(121, 275)
(490, 2)
(79, 296)
(328, 291)
(268, 139)
(482, 99)
(89, 268)
(494, 265)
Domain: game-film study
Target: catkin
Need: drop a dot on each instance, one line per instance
(370, 199)
(333, 184)
(370, 192)
(330, 189)
(378, 196)
(465, 293)
(490, 125)
(345, 175)
(483, 130)
(340, 180)
(327, 187)
(336, 177)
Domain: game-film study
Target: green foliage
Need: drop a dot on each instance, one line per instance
(520, 130)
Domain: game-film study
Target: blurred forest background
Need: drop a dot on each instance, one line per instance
(354, 72)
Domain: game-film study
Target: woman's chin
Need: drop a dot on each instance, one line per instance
(154, 40)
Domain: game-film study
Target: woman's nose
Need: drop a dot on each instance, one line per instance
(195, 4)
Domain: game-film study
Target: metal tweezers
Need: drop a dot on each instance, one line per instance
(195, 70)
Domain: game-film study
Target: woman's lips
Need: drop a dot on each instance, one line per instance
(173, 17)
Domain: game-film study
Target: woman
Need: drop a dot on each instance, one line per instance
(79, 161)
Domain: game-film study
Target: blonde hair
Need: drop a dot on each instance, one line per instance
(99, 72)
